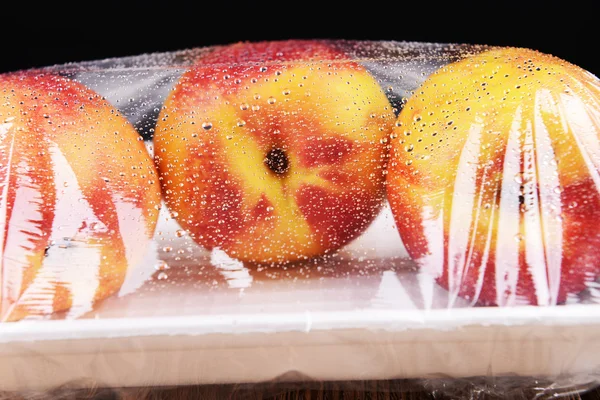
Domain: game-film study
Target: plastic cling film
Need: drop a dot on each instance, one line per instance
(517, 209)
(363, 198)
(71, 221)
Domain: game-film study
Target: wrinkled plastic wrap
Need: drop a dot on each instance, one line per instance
(301, 210)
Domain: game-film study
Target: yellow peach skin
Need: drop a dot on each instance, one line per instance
(494, 178)
(274, 161)
(79, 196)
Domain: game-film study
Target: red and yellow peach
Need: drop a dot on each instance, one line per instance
(274, 151)
(79, 196)
(494, 178)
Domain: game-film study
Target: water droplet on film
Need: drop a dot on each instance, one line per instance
(161, 266)
(162, 276)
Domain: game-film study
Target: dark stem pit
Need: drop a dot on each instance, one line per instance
(277, 161)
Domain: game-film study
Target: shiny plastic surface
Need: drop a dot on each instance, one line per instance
(415, 210)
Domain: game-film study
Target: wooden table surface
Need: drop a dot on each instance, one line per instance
(364, 390)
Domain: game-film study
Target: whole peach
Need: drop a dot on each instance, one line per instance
(79, 196)
(494, 178)
(274, 151)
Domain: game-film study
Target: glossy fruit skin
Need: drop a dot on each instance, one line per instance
(79, 196)
(494, 178)
(246, 103)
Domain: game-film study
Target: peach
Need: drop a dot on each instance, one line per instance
(79, 196)
(274, 151)
(494, 178)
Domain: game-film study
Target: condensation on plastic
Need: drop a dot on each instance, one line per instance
(407, 210)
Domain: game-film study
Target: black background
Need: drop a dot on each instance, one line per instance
(87, 31)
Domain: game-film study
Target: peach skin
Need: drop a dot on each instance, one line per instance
(494, 178)
(79, 196)
(274, 151)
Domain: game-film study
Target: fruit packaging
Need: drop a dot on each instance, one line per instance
(322, 210)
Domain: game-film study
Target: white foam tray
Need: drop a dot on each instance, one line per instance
(259, 347)
(366, 314)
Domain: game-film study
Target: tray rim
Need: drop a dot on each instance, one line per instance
(446, 319)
